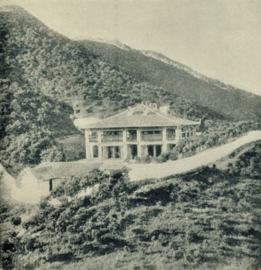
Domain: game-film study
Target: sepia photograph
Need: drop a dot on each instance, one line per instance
(130, 134)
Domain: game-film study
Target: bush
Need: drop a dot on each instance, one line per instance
(173, 155)
(146, 159)
(16, 220)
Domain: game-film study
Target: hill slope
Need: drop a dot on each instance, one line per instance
(159, 70)
(209, 219)
(44, 67)
(64, 69)
(44, 74)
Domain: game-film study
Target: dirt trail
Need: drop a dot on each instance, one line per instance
(161, 170)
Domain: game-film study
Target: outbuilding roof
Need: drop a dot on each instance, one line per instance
(141, 116)
(61, 170)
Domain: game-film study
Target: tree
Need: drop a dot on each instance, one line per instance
(52, 154)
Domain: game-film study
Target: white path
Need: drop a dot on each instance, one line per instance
(161, 170)
(148, 171)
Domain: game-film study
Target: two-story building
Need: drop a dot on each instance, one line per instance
(145, 129)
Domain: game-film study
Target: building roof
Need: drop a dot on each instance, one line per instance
(61, 170)
(141, 116)
(82, 122)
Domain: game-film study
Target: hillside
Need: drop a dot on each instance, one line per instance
(47, 76)
(207, 219)
(159, 70)
(64, 69)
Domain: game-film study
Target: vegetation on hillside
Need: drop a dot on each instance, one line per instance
(56, 66)
(208, 219)
(214, 95)
(42, 67)
(32, 126)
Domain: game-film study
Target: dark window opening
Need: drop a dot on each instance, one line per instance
(117, 152)
(158, 150)
(50, 185)
(134, 151)
(95, 151)
(109, 152)
(150, 150)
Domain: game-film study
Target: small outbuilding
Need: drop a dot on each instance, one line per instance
(41, 180)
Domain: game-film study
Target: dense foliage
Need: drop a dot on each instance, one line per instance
(64, 69)
(214, 95)
(208, 219)
(34, 123)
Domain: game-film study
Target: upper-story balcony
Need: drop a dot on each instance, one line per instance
(151, 136)
(171, 136)
(93, 138)
(112, 136)
(131, 135)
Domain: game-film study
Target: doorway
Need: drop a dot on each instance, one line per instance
(134, 151)
(50, 184)
(150, 150)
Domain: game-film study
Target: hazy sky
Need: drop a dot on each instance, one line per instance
(218, 38)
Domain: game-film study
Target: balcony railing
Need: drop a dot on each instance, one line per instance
(151, 137)
(115, 138)
(171, 137)
(132, 138)
(93, 138)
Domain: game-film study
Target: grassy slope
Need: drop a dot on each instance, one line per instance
(208, 219)
(214, 95)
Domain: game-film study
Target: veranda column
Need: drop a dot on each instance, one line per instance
(99, 135)
(87, 144)
(154, 151)
(139, 142)
(178, 134)
(164, 140)
(113, 151)
(124, 147)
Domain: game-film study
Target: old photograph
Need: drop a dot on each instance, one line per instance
(130, 134)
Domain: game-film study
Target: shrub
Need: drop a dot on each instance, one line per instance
(16, 220)
(173, 155)
(146, 159)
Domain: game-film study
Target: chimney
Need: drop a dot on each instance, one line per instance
(145, 111)
(164, 109)
(129, 111)
(155, 106)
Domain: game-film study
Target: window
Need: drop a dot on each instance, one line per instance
(95, 151)
(183, 132)
(117, 152)
(50, 184)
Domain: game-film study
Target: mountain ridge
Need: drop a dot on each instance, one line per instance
(182, 80)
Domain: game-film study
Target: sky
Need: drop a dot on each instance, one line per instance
(218, 38)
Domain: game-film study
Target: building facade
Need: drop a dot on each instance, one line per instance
(143, 130)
